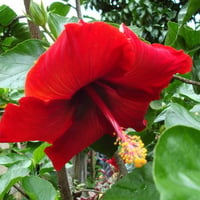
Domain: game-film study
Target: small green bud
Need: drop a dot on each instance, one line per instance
(37, 14)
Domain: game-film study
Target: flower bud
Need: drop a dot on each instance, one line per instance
(38, 14)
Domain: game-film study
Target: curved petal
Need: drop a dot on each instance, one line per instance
(153, 69)
(128, 113)
(82, 133)
(83, 53)
(34, 119)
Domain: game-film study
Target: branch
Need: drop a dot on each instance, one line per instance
(78, 9)
(21, 191)
(63, 184)
(185, 80)
(49, 33)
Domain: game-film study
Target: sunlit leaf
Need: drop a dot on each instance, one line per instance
(59, 8)
(196, 71)
(12, 158)
(136, 185)
(15, 63)
(6, 15)
(187, 90)
(38, 153)
(177, 164)
(13, 175)
(56, 23)
(193, 6)
(178, 115)
(183, 38)
(38, 188)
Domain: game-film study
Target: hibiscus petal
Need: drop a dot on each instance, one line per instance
(34, 119)
(127, 112)
(82, 134)
(83, 53)
(153, 69)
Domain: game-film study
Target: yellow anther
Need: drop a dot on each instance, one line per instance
(132, 150)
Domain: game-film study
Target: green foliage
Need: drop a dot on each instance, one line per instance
(180, 36)
(11, 30)
(150, 16)
(56, 23)
(59, 8)
(38, 153)
(176, 164)
(21, 165)
(15, 63)
(193, 7)
(196, 70)
(176, 114)
(136, 185)
(183, 37)
(6, 11)
(10, 159)
(9, 95)
(38, 189)
(13, 175)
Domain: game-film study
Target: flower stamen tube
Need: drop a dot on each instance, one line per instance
(131, 148)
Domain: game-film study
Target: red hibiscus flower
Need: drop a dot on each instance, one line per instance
(92, 81)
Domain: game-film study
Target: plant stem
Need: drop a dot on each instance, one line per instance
(21, 191)
(92, 164)
(63, 184)
(185, 80)
(80, 167)
(78, 9)
(49, 34)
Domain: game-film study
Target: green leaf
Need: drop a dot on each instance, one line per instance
(196, 71)
(156, 105)
(182, 13)
(6, 15)
(172, 36)
(187, 90)
(7, 43)
(196, 109)
(178, 115)
(21, 31)
(56, 23)
(190, 38)
(38, 153)
(136, 185)
(38, 189)
(11, 158)
(177, 164)
(15, 63)
(193, 6)
(13, 175)
(183, 38)
(59, 8)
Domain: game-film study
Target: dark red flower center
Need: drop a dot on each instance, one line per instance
(132, 149)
